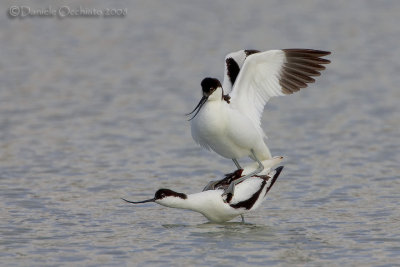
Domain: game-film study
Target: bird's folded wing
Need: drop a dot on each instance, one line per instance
(274, 73)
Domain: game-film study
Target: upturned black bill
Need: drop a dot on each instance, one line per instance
(138, 202)
(198, 107)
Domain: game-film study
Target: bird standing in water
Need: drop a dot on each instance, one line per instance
(230, 124)
(216, 206)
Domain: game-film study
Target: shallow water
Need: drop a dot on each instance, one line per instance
(91, 110)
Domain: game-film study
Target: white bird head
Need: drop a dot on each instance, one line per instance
(212, 90)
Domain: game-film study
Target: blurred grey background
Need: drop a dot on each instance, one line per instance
(92, 109)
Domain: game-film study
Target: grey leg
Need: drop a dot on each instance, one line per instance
(241, 215)
(258, 170)
(210, 185)
(231, 188)
(237, 164)
(260, 166)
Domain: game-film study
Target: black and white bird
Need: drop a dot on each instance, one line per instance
(227, 119)
(214, 204)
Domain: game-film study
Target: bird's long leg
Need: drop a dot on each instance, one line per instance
(260, 165)
(241, 215)
(258, 170)
(231, 188)
(210, 185)
(237, 164)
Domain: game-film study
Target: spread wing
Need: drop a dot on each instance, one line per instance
(233, 63)
(274, 73)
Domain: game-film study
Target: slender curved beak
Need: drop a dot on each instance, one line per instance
(139, 202)
(198, 107)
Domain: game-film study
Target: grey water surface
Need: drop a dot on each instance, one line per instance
(92, 110)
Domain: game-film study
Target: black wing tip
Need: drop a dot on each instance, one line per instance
(311, 52)
(300, 65)
(327, 61)
(326, 53)
(278, 171)
(275, 177)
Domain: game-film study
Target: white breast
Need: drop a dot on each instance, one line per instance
(226, 131)
(211, 205)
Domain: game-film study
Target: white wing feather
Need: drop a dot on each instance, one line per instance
(274, 73)
(246, 189)
(233, 63)
(239, 57)
(257, 82)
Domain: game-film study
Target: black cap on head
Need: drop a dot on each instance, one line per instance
(163, 193)
(209, 85)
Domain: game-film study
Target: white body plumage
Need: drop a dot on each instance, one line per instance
(215, 206)
(222, 128)
(231, 125)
